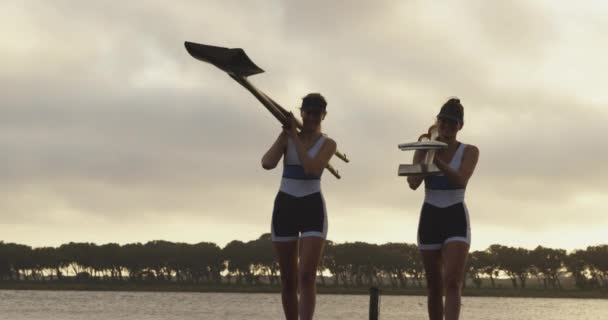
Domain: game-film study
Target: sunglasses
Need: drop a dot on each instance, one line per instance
(449, 122)
(313, 112)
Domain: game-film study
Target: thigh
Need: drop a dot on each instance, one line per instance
(311, 250)
(284, 225)
(455, 255)
(287, 256)
(432, 260)
(430, 228)
(313, 216)
(456, 221)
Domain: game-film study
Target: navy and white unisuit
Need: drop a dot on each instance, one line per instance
(299, 207)
(444, 216)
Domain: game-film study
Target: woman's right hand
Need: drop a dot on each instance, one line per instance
(290, 129)
(415, 181)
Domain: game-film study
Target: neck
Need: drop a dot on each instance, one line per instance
(451, 141)
(307, 131)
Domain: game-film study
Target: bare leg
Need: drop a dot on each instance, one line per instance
(434, 282)
(310, 255)
(287, 255)
(454, 257)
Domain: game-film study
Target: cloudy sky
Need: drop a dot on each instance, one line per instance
(111, 132)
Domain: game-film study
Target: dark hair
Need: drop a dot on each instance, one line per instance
(455, 102)
(314, 100)
(453, 110)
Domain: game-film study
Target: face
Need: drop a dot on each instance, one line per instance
(448, 128)
(312, 115)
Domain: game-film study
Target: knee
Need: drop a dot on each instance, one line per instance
(289, 283)
(307, 278)
(434, 287)
(453, 283)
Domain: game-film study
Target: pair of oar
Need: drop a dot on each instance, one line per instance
(426, 142)
(238, 66)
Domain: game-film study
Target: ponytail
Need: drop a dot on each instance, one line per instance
(431, 134)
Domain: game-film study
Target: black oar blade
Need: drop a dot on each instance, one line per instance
(234, 61)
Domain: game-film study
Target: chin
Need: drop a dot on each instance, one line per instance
(446, 137)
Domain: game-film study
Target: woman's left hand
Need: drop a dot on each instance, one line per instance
(440, 163)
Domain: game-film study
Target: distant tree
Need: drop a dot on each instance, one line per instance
(394, 262)
(356, 264)
(475, 266)
(576, 264)
(132, 258)
(18, 260)
(330, 262)
(597, 261)
(549, 264)
(110, 260)
(263, 260)
(6, 268)
(239, 261)
(515, 262)
(77, 257)
(414, 266)
(485, 263)
(46, 260)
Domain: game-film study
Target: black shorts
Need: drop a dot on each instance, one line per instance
(295, 217)
(440, 225)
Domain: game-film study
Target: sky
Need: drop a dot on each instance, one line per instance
(111, 132)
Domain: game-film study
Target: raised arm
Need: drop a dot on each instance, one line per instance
(415, 181)
(273, 155)
(461, 176)
(315, 165)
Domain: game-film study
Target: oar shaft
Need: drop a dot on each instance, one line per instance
(276, 112)
(338, 154)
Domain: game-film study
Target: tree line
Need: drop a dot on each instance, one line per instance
(252, 263)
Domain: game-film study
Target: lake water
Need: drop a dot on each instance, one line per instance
(87, 305)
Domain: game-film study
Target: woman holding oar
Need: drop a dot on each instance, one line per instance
(444, 233)
(299, 218)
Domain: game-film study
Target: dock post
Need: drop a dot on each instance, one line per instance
(374, 303)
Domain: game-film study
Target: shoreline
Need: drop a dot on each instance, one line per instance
(414, 291)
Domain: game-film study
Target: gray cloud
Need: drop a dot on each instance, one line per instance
(106, 117)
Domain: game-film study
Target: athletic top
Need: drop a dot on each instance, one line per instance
(439, 191)
(295, 181)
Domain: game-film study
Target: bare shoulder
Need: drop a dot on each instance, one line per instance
(330, 143)
(471, 150)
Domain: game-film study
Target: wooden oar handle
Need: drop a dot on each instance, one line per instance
(342, 156)
(338, 154)
(333, 171)
(430, 154)
(276, 110)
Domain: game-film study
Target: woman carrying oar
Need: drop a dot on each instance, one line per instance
(299, 218)
(444, 233)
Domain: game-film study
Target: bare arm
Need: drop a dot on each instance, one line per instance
(315, 165)
(273, 155)
(461, 176)
(415, 181)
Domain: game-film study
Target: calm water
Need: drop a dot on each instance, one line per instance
(65, 305)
